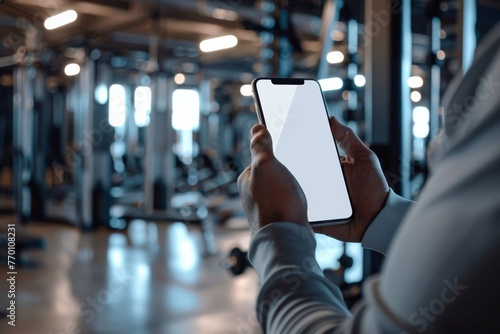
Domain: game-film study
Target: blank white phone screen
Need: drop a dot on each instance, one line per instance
(297, 119)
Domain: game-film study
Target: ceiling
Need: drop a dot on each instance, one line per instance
(133, 31)
(172, 29)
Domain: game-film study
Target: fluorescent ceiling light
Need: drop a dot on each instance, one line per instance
(72, 69)
(335, 57)
(218, 43)
(415, 82)
(331, 84)
(246, 90)
(60, 19)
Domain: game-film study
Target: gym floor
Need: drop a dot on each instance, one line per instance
(151, 278)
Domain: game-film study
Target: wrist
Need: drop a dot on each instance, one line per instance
(262, 223)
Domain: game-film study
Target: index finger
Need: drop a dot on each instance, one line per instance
(261, 145)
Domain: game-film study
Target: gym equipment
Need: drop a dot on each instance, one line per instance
(237, 262)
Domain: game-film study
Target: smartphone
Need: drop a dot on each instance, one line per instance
(295, 113)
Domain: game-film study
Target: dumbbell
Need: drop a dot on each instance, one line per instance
(237, 262)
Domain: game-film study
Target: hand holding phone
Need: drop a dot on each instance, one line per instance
(268, 190)
(368, 187)
(294, 112)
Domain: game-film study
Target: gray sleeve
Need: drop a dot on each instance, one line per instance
(381, 231)
(295, 297)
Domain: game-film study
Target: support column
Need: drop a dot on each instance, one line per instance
(31, 123)
(466, 33)
(352, 114)
(159, 167)
(31, 126)
(435, 68)
(101, 137)
(204, 131)
(23, 140)
(331, 13)
(283, 62)
(84, 148)
(387, 102)
(387, 96)
(42, 110)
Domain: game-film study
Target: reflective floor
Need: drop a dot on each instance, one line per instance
(153, 278)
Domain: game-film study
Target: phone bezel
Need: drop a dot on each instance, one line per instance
(260, 116)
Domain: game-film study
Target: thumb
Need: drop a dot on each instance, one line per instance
(261, 145)
(346, 138)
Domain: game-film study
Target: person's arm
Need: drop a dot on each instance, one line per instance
(289, 273)
(381, 231)
(295, 297)
(438, 275)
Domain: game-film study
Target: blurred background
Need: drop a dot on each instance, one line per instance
(124, 126)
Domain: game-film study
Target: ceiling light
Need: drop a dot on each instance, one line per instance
(60, 19)
(337, 35)
(345, 95)
(441, 55)
(180, 78)
(421, 130)
(359, 80)
(415, 96)
(246, 90)
(218, 43)
(331, 84)
(415, 82)
(72, 69)
(421, 115)
(335, 57)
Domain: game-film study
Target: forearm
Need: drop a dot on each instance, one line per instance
(294, 296)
